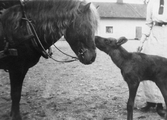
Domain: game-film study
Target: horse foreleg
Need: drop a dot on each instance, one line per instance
(163, 88)
(132, 93)
(16, 81)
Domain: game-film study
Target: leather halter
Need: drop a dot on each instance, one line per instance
(31, 30)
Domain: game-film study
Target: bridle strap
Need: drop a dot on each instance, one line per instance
(36, 41)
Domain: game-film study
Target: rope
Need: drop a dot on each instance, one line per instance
(64, 52)
(66, 61)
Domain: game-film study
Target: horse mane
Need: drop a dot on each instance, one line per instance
(50, 17)
(54, 16)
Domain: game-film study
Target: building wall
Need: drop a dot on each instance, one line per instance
(121, 27)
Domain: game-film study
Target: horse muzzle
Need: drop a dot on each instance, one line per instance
(86, 56)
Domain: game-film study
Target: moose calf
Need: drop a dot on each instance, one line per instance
(135, 67)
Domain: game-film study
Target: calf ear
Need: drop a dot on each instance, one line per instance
(121, 41)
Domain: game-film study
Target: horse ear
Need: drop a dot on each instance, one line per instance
(121, 41)
(86, 7)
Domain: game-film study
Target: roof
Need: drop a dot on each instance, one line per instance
(121, 10)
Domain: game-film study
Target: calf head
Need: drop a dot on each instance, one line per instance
(106, 44)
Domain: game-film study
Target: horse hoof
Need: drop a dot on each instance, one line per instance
(18, 117)
(161, 113)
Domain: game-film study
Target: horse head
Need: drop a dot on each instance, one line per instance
(80, 34)
(77, 20)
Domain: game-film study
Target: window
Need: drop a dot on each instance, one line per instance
(138, 32)
(109, 29)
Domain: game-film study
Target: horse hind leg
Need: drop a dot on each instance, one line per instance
(16, 80)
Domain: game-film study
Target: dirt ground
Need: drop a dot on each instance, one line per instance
(73, 91)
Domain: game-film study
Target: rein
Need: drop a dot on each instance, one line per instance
(72, 60)
(64, 52)
(37, 43)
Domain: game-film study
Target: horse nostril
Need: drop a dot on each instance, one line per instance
(82, 56)
(93, 58)
(81, 52)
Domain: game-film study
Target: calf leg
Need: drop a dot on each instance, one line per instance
(16, 79)
(132, 93)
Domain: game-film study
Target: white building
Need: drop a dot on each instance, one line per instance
(121, 19)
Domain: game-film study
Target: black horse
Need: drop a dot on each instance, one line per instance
(51, 19)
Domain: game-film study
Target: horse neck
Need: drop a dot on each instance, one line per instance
(50, 22)
(119, 56)
(49, 40)
(48, 26)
